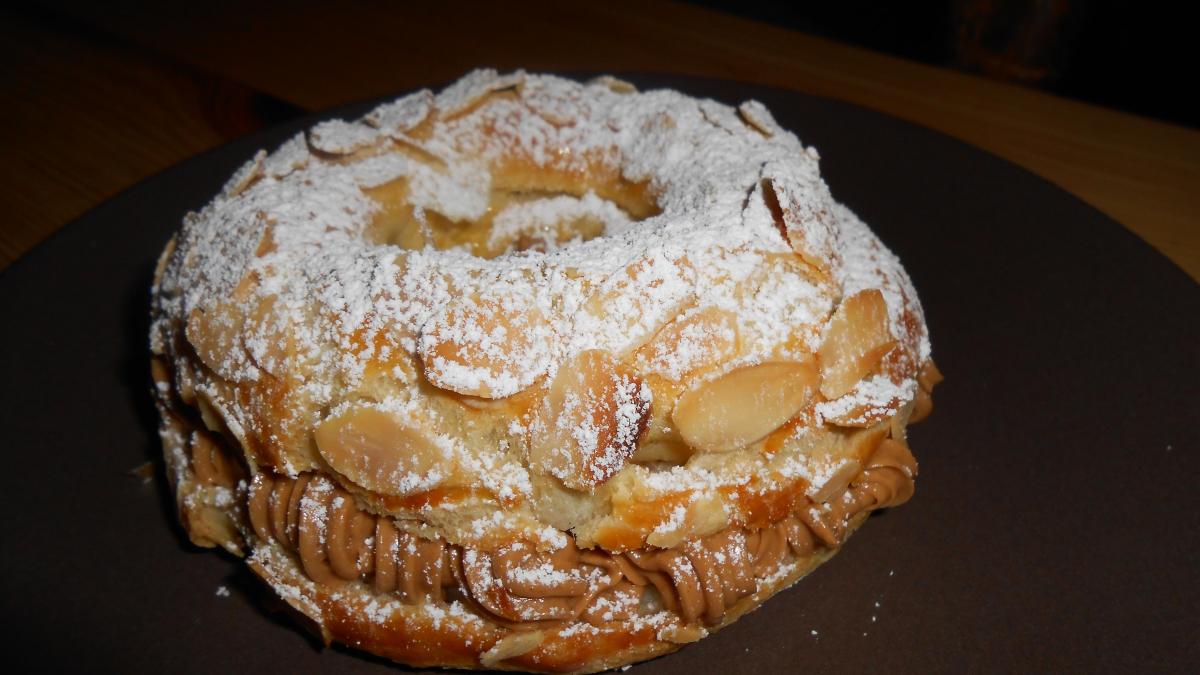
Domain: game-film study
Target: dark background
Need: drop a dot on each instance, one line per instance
(1051, 531)
(1139, 57)
(97, 96)
(1053, 528)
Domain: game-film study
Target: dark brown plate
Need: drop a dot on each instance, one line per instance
(1054, 527)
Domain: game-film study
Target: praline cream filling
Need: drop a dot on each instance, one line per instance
(336, 542)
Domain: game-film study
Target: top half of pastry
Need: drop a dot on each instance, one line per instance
(530, 305)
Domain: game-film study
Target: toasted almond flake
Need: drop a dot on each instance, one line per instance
(745, 405)
(245, 176)
(485, 349)
(215, 334)
(512, 645)
(871, 400)
(634, 303)
(803, 211)
(291, 156)
(614, 84)
(463, 94)
(857, 339)
(381, 452)
(702, 339)
(682, 634)
(590, 421)
(756, 115)
(339, 137)
(540, 96)
(402, 115)
(836, 482)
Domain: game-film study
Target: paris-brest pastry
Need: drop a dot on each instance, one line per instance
(532, 374)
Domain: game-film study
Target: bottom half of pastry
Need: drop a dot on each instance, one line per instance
(382, 585)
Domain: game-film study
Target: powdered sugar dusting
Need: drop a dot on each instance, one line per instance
(474, 86)
(340, 137)
(290, 252)
(402, 115)
(292, 155)
(539, 220)
(758, 116)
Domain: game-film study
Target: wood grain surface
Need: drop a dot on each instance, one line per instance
(99, 96)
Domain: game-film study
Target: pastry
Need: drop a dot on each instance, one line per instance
(532, 374)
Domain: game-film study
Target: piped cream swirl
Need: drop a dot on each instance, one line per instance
(336, 541)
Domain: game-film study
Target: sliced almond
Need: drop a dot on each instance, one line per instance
(558, 107)
(863, 413)
(215, 335)
(589, 423)
(266, 242)
(461, 96)
(265, 337)
(244, 177)
(681, 634)
(635, 303)
(664, 393)
(614, 84)
(399, 116)
(702, 339)
(483, 349)
(339, 137)
(511, 646)
(701, 516)
(857, 339)
(803, 213)
(225, 334)
(745, 405)
(381, 452)
(835, 481)
(288, 157)
(756, 115)
(210, 413)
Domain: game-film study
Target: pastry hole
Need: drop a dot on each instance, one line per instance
(543, 216)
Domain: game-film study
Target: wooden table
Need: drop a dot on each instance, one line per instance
(98, 96)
